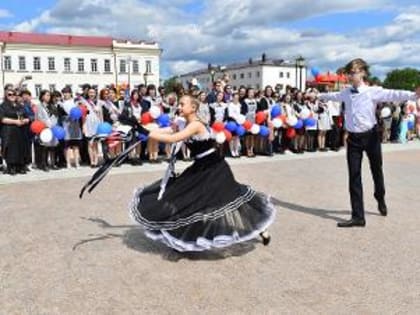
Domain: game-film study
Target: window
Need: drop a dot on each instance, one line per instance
(242, 76)
(38, 88)
(123, 66)
(257, 86)
(234, 87)
(52, 87)
(107, 65)
(249, 74)
(24, 87)
(37, 64)
(135, 66)
(234, 76)
(281, 74)
(67, 65)
(94, 65)
(51, 64)
(22, 63)
(81, 65)
(288, 75)
(7, 63)
(258, 74)
(148, 66)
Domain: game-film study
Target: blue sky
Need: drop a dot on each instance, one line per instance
(193, 33)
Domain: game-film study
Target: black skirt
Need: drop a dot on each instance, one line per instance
(202, 209)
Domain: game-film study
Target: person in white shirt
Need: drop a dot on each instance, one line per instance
(360, 103)
(234, 113)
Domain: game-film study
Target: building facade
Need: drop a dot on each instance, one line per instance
(48, 61)
(257, 74)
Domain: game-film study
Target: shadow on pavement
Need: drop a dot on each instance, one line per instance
(322, 213)
(134, 238)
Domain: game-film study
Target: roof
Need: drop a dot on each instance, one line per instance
(54, 39)
(241, 65)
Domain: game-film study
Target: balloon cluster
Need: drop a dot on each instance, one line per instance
(45, 134)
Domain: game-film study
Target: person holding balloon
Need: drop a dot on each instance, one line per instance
(155, 111)
(265, 144)
(72, 129)
(45, 143)
(249, 109)
(234, 125)
(132, 111)
(219, 114)
(13, 121)
(90, 126)
(360, 102)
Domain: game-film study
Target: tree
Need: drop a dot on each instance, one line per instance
(405, 79)
(172, 85)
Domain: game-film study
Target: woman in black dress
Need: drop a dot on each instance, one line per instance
(203, 208)
(13, 120)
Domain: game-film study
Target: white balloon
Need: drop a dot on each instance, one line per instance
(241, 119)
(46, 135)
(411, 117)
(220, 137)
(154, 112)
(305, 113)
(277, 122)
(291, 121)
(255, 129)
(385, 112)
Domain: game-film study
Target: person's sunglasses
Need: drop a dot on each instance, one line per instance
(11, 94)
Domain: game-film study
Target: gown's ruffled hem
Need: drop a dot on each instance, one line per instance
(196, 217)
(202, 243)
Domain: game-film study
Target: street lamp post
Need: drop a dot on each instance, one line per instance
(129, 71)
(300, 63)
(145, 78)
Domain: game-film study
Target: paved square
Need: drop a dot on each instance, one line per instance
(62, 255)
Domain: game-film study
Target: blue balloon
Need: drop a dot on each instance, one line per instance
(240, 131)
(315, 71)
(264, 131)
(410, 125)
(164, 120)
(58, 132)
(309, 122)
(75, 113)
(299, 124)
(231, 126)
(275, 110)
(104, 129)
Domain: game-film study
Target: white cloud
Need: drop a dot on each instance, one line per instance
(5, 14)
(232, 30)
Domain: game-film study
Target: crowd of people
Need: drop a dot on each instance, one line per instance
(246, 122)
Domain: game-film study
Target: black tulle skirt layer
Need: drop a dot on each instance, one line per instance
(202, 209)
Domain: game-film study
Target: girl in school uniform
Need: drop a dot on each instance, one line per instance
(324, 125)
(93, 119)
(311, 131)
(45, 152)
(234, 112)
(219, 113)
(152, 145)
(265, 104)
(249, 110)
(299, 140)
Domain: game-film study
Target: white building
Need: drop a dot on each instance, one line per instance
(254, 73)
(48, 61)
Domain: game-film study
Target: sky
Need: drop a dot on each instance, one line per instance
(386, 33)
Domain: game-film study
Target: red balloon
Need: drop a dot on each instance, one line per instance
(228, 135)
(291, 133)
(247, 125)
(84, 110)
(218, 126)
(146, 118)
(260, 117)
(37, 126)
